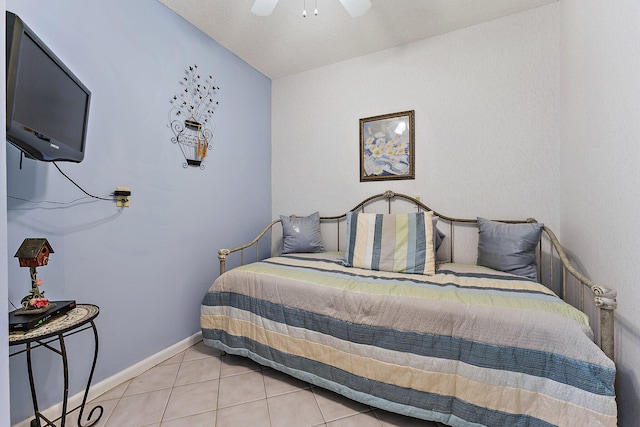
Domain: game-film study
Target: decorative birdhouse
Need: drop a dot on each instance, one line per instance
(34, 253)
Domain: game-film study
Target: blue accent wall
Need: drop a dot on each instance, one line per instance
(149, 265)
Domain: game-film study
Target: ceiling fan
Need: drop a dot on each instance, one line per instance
(354, 7)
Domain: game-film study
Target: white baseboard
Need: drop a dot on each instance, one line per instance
(117, 379)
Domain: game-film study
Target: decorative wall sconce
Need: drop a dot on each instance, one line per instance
(32, 253)
(191, 117)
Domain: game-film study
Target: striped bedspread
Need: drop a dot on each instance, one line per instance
(468, 346)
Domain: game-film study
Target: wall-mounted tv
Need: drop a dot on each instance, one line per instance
(47, 105)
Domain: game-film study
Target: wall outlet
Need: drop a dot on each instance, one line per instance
(123, 197)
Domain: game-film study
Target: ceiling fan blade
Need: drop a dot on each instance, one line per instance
(263, 7)
(356, 7)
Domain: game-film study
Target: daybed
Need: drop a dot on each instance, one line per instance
(393, 317)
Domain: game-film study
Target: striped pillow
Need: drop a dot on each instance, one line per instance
(401, 243)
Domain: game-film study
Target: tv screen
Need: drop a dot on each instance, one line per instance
(47, 105)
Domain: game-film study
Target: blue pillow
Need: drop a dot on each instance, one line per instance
(438, 236)
(509, 247)
(301, 234)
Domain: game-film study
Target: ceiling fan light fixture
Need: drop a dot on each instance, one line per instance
(356, 7)
(263, 7)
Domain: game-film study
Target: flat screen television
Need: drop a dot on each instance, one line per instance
(47, 105)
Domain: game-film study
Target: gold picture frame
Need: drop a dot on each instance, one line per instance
(387, 147)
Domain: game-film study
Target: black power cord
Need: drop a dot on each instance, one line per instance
(81, 189)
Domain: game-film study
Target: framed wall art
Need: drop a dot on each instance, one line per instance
(387, 147)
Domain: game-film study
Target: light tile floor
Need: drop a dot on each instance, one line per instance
(201, 387)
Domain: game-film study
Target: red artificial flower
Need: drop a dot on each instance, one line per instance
(39, 302)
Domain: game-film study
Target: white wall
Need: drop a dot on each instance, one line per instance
(536, 114)
(486, 106)
(149, 265)
(600, 133)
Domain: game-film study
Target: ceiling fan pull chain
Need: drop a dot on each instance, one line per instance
(316, 11)
(304, 8)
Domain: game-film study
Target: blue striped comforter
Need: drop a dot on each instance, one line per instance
(468, 346)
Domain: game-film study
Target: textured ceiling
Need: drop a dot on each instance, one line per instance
(285, 43)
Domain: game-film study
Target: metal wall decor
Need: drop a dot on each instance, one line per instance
(191, 116)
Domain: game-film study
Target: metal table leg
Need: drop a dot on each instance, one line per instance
(34, 399)
(86, 390)
(63, 353)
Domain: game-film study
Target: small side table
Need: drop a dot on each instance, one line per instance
(77, 320)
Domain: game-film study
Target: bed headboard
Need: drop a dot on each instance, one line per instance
(555, 269)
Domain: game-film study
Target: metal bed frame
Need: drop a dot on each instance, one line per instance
(553, 264)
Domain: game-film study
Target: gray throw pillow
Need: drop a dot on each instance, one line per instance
(301, 234)
(509, 247)
(438, 236)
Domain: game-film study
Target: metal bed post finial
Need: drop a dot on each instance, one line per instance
(389, 195)
(605, 297)
(222, 256)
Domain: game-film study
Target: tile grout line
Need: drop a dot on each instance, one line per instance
(375, 414)
(315, 398)
(106, 421)
(218, 393)
(369, 409)
(266, 398)
(166, 405)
